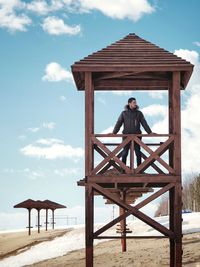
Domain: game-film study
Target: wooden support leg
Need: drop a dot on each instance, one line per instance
(178, 225)
(123, 230)
(38, 221)
(29, 221)
(175, 198)
(46, 218)
(171, 226)
(89, 222)
(53, 220)
(123, 223)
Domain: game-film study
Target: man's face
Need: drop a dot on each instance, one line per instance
(133, 104)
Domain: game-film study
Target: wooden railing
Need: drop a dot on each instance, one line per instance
(150, 157)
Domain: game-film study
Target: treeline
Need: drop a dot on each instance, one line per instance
(190, 197)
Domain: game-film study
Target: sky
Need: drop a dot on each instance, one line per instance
(42, 113)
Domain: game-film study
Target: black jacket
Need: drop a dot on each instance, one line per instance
(131, 120)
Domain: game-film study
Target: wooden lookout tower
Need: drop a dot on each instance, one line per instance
(133, 63)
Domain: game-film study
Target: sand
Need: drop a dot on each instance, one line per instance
(140, 252)
(14, 243)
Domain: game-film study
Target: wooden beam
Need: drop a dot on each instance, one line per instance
(131, 237)
(140, 178)
(128, 84)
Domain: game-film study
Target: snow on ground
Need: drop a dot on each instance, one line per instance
(75, 239)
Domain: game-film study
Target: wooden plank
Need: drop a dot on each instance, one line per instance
(134, 211)
(122, 67)
(142, 178)
(132, 135)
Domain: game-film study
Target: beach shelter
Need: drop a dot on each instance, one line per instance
(28, 204)
(52, 206)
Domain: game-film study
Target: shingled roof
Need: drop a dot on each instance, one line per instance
(132, 59)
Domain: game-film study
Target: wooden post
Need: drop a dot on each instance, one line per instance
(176, 112)
(53, 222)
(132, 155)
(171, 226)
(123, 224)
(89, 164)
(38, 220)
(175, 161)
(29, 221)
(89, 123)
(89, 224)
(46, 219)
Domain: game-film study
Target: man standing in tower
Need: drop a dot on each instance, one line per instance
(131, 118)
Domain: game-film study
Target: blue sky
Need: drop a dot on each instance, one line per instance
(40, 106)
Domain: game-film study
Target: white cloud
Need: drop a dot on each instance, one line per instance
(101, 100)
(66, 171)
(33, 130)
(53, 150)
(63, 98)
(10, 19)
(30, 174)
(157, 94)
(41, 7)
(196, 43)
(21, 137)
(155, 110)
(45, 125)
(120, 92)
(193, 57)
(189, 117)
(57, 26)
(55, 73)
(49, 141)
(118, 9)
(49, 125)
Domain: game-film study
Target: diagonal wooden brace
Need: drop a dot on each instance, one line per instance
(154, 155)
(134, 210)
(111, 154)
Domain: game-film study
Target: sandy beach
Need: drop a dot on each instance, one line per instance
(16, 242)
(144, 253)
(140, 252)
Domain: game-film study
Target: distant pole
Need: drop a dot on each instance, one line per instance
(38, 221)
(53, 219)
(46, 218)
(29, 221)
(113, 212)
